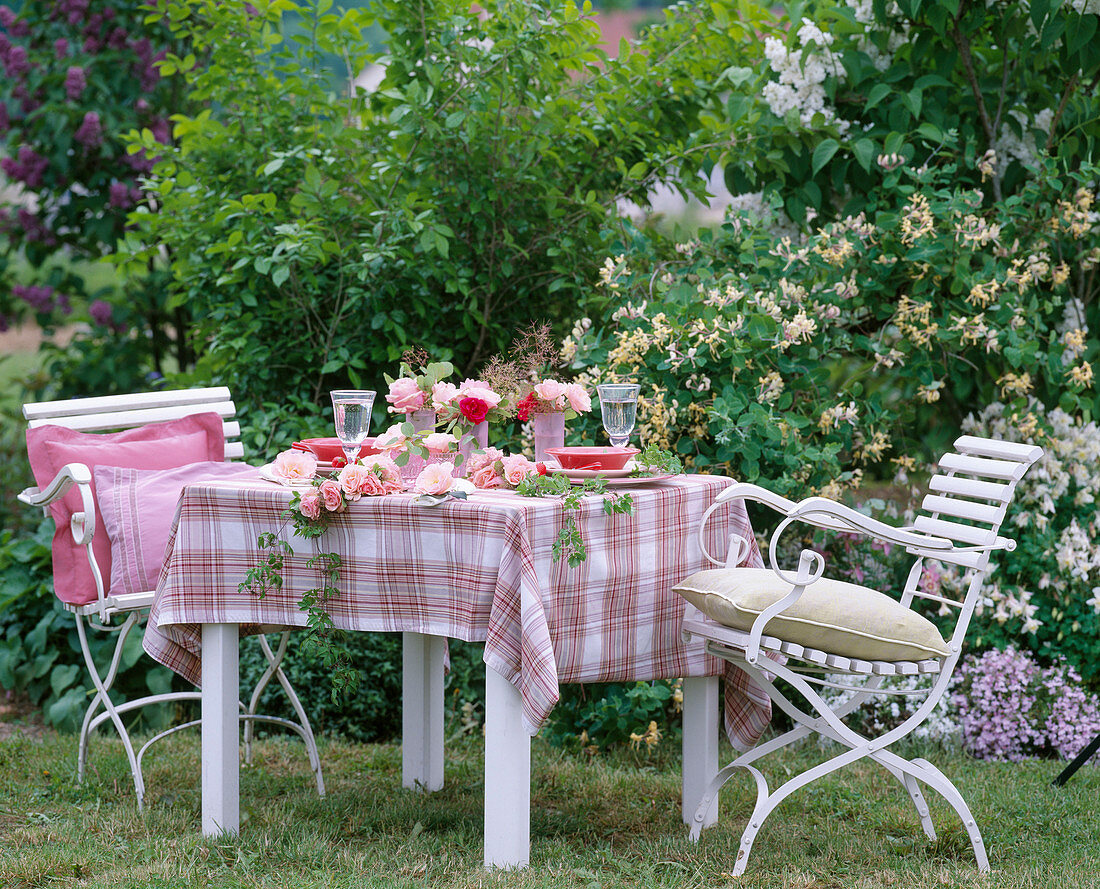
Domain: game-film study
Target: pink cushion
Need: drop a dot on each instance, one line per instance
(139, 508)
(155, 446)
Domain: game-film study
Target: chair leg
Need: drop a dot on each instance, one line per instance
(302, 727)
(102, 696)
(939, 782)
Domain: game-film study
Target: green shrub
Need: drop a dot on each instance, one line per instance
(810, 364)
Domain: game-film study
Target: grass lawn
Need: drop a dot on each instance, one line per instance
(612, 821)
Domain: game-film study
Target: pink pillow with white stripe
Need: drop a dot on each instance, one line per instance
(153, 446)
(139, 510)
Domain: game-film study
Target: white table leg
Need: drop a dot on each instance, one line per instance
(422, 711)
(507, 776)
(221, 773)
(700, 744)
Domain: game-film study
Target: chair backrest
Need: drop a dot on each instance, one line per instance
(129, 411)
(969, 499)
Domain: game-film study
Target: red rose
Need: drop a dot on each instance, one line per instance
(524, 408)
(473, 409)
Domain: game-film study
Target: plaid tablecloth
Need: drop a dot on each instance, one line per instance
(479, 570)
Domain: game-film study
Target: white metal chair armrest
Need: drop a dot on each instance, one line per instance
(83, 522)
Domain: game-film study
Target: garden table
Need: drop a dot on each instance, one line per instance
(477, 570)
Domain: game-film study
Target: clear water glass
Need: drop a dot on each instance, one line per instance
(351, 415)
(619, 406)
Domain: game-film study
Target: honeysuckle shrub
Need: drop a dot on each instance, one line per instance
(855, 353)
(826, 99)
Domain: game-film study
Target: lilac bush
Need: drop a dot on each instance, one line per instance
(1010, 707)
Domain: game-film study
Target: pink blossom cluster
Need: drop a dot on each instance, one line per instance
(492, 468)
(371, 476)
(75, 82)
(557, 396)
(1010, 707)
(90, 132)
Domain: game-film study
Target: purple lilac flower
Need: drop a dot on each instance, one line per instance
(5, 121)
(93, 25)
(61, 47)
(38, 297)
(139, 162)
(161, 131)
(33, 229)
(7, 16)
(75, 82)
(117, 40)
(17, 63)
(75, 11)
(90, 133)
(20, 28)
(27, 167)
(92, 45)
(100, 310)
(142, 106)
(120, 196)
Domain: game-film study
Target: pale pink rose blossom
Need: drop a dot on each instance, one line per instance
(478, 389)
(486, 477)
(295, 465)
(553, 392)
(372, 486)
(443, 394)
(435, 478)
(310, 505)
(579, 399)
(404, 396)
(352, 479)
(439, 442)
(392, 439)
(386, 471)
(517, 468)
(330, 496)
(477, 461)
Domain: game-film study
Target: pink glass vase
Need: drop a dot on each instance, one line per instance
(476, 439)
(422, 420)
(549, 432)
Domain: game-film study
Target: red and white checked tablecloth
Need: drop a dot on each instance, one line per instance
(479, 570)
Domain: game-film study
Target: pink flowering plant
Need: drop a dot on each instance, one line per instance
(413, 389)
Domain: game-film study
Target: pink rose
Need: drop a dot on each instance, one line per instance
(404, 396)
(435, 478)
(295, 465)
(439, 442)
(443, 394)
(517, 468)
(391, 439)
(330, 496)
(477, 461)
(372, 485)
(486, 477)
(579, 399)
(310, 505)
(479, 390)
(386, 472)
(552, 392)
(351, 480)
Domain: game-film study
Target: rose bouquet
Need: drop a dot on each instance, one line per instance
(552, 396)
(471, 403)
(371, 476)
(492, 468)
(413, 390)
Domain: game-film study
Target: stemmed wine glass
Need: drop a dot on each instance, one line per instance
(618, 405)
(351, 413)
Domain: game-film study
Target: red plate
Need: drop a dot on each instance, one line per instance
(327, 448)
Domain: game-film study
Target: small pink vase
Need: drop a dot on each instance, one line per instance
(549, 432)
(422, 420)
(476, 439)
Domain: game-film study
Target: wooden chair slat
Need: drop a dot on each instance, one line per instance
(964, 509)
(128, 419)
(983, 466)
(970, 487)
(1001, 450)
(76, 407)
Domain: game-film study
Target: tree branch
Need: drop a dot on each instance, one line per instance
(972, 78)
(1070, 87)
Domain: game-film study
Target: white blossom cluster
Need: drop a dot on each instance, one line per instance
(1023, 148)
(802, 73)
(882, 713)
(881, 58)
(752, 204)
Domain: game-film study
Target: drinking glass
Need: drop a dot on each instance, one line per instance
(351, 413)
(618, 405)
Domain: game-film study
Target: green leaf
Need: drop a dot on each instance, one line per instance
(864, 153)
(824, 153)
(878, 92)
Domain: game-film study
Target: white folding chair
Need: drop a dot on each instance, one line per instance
(798, 625)
(118, 412)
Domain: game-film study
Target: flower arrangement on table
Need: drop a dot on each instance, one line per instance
(414, 389)
(553, 396)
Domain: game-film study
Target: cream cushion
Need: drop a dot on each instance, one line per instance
(831, 615)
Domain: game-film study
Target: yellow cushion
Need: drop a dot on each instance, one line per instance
(832, 616)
